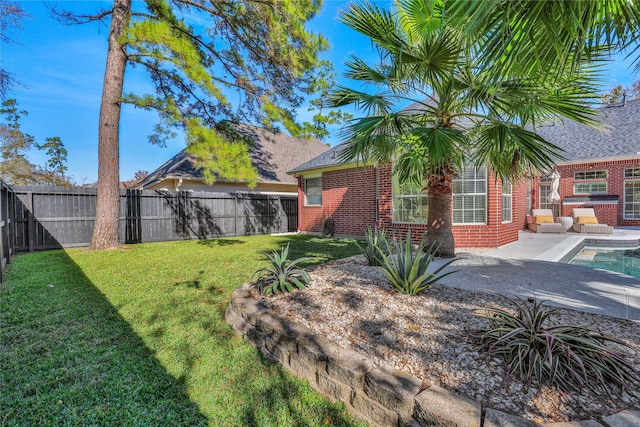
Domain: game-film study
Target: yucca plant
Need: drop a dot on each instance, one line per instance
(566, 357)
(374, 238)
(407, 268)
(281, 275)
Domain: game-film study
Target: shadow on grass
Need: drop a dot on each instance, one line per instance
(68, 357)
(285, 396)
(220, 242)
(129, 345)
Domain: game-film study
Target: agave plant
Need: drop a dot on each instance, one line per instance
(281, 275)
(374, 238)
(406, 268)
(566, 357)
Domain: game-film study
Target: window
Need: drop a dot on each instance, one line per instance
(507, 198)
(545, 189)
(470, 196)
(313, 191)
(590, 175)
(596, 182)
(590, 188)
(632, 193)
(410, 201)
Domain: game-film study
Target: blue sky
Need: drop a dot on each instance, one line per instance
(60, 70)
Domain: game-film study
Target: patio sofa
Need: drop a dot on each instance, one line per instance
(585, 221)
(543, 222)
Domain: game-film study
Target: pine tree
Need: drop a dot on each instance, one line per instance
(256, 52)
(15, 168)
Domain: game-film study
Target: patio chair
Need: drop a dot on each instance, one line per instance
(543, 222)
(585, 221)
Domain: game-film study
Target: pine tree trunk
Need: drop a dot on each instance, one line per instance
(105, 231)
(440, 198)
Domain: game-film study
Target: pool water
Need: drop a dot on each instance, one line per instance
(625, 261)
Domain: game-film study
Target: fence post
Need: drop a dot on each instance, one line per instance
(235, 215)
(31, 221)
(4, 201)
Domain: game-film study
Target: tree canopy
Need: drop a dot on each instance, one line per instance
(618, 93)
(15, 168)
(249, 61)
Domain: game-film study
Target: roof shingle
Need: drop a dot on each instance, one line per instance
(581, 142)
(272, 154)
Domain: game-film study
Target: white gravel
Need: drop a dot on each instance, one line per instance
(429, 335)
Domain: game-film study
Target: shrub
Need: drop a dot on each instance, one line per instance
(566, 357)
(374, 239)
(281, 275)
(406, 271)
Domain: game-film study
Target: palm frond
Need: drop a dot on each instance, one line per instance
(513, 151)
(548, 37)
(357, 69)
(377, 24)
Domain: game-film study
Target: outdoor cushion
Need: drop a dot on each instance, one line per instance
(544, 219)
(587, 220)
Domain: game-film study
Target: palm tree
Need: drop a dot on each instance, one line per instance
(550, 36)
(459, 113)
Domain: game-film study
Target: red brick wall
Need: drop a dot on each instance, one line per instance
(612, 214)
(492, 234)
(349, 197)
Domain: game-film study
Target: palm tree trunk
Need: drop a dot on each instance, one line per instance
(439, 219)
(105, 231)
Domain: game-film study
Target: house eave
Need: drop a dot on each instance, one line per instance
(332, 168)
(599, 160)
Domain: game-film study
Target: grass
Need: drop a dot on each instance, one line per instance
(136, 336)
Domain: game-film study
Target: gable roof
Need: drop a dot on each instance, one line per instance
(327, 159)
(272, 154)
(621, 137)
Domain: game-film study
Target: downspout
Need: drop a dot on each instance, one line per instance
(377, 180)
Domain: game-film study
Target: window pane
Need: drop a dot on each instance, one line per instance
(590, 188)
(410, 201)
(632, 199)
(313, 191)
(470, 196)
(591, 175)
(632, 173)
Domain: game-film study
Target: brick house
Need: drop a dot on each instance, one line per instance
(602, 170)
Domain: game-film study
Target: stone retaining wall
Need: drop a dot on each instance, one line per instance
(381, 396)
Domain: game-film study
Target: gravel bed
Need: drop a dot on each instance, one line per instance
(429, 336)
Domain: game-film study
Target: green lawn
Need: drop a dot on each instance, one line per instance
(136, 336)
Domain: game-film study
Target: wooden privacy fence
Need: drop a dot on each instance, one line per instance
(53, 217)
(7, 225)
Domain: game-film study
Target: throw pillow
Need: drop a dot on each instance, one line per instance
(544, 219)
(587, 220)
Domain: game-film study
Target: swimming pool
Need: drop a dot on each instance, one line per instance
(625, 261)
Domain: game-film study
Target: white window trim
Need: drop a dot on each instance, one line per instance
(486, 201)
(403, 196)
(587, 182)
(625, 179)
(510, 194)
(304, 184)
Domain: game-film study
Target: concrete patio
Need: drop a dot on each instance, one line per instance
(530, 268)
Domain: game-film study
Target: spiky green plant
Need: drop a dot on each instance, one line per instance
(282, 275)
(374, 238)
(407, 268)
(566, 357)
